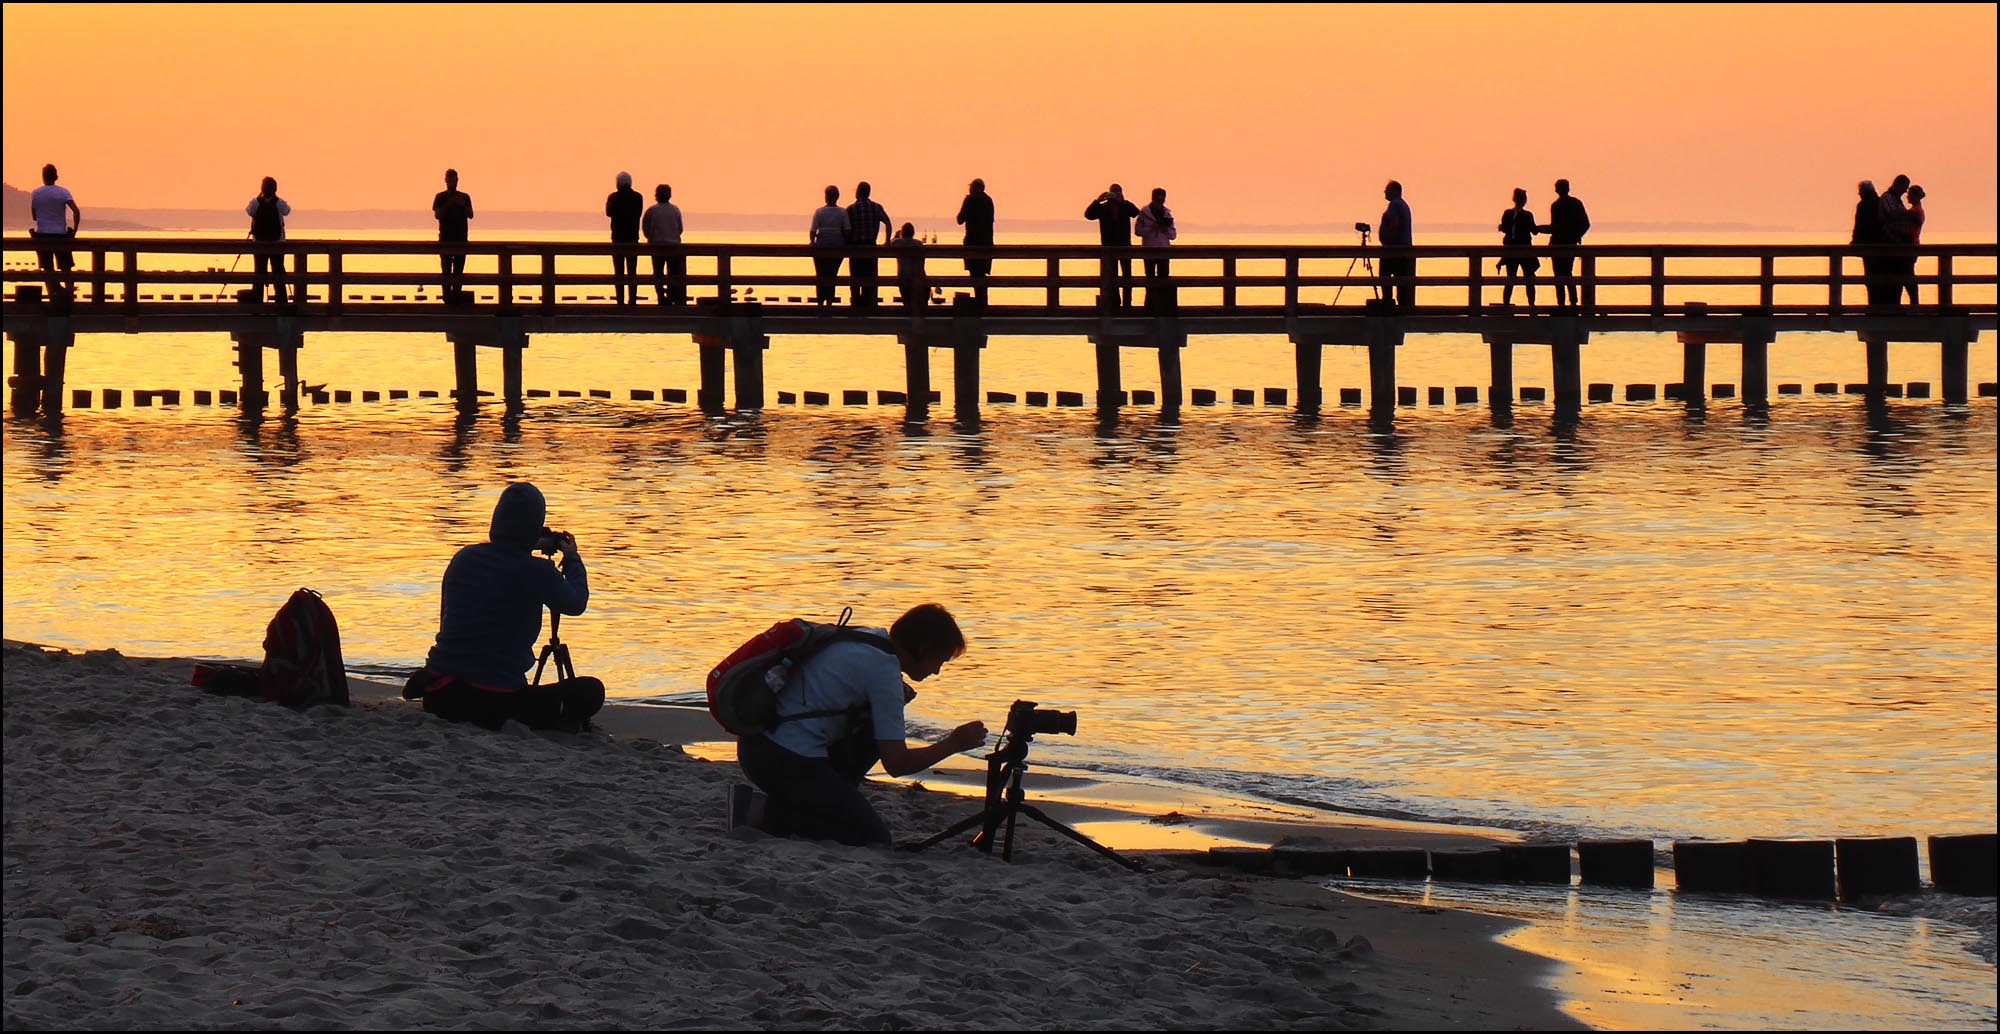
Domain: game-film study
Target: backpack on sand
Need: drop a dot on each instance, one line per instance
(743, 689)
(302, 662)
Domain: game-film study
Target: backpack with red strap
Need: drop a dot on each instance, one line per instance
(302, 662)
(743, 689)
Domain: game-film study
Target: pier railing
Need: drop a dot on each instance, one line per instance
(141, 275)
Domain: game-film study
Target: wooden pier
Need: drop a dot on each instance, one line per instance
(743, 295)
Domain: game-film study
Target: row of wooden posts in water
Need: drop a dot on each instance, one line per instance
(114, 398)
(1845, 868)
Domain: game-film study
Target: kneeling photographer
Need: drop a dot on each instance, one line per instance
(490, 617)
(848, 699)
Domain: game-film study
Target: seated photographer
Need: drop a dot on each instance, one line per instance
(811, 767)
(490, 617)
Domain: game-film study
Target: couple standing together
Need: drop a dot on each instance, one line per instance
(1115, 218)
(1885, 219)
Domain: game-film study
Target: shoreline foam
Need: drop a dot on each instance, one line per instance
(179, 859)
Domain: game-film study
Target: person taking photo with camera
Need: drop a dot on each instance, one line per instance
(850, 697)
(489, 617)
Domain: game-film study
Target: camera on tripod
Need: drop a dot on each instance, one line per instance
(1360, 227)
(1025, 719)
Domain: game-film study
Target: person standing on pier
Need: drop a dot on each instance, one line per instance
(1396, 232)
(1868, 233)
(1897, 228)
(1916, 230)
(662, 224)
(863, 216)
(1568, 222)
(827, 231)
(910, 267)
(1156, 233)
(624, 207)
(267, 212)
(1113, 215)
(1517, 230)
(975, 213)
(453, 210)
(52, 206)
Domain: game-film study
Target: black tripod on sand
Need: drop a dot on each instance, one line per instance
(557, 649)
(1005, 803)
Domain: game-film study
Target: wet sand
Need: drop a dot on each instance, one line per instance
(176, 859)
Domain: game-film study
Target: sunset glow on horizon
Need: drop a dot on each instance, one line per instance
(1763, 115)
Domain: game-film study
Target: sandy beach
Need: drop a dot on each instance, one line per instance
(180, 860)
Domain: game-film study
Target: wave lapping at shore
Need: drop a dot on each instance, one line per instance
(174, 859)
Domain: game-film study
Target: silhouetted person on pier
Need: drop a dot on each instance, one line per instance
(863, 217)
(1156, 231)
(624, 207)
(1916, 230)
(1568, 222)
(1113, 215)
(267, 212)
(1868, 233)
(1396, 232)
(849, 698)
(910, 267)
(453, 209)
(489, 616)
(1897, 226)
(52, 208)
(828, 232)
(662, 224)
(1517, 230)
(975, 213)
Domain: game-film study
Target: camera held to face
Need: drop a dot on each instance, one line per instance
(551, 541)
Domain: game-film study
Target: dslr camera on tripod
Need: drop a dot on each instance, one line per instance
(1025, 719)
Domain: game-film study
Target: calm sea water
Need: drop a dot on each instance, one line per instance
(1647, 622)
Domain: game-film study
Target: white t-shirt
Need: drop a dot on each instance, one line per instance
(844, 675)
(50, 205)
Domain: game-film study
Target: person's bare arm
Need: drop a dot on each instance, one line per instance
(900, 759)
(77, 214)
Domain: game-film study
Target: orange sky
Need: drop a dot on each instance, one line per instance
(1247, 115)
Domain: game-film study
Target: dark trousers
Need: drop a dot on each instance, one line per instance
(54, 259)
(453, 268)
(274, 261)
(980, 270)
(561, 705)
(866, 271)
(625, 278)
(1567, 290)
(672, 287)
(815, 798)
(1399, 282)
(827, 269)
(1117, 273)
(916, 293)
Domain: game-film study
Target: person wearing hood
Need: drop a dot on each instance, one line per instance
(489, 617)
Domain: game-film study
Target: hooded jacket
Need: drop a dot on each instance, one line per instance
(490, 613)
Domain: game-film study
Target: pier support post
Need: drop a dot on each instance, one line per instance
(55, 361)
(511, 354)
(917, 377)
(1500, 391)
(1307, 358)
(250, 366)
(1756, 370)
(288, 368)
(1955, 346)
(1385, 335)
(713, 360)
(1566, 354)
(1878, 367)
(968, 337)
(747, 342)
(1110, 382)
(1172, 339)
(465, 361)
(1694, 370)
(27, 372)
